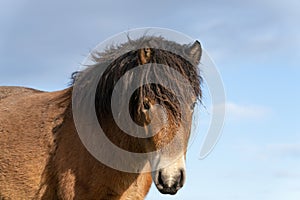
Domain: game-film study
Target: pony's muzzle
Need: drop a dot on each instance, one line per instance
(169, 184)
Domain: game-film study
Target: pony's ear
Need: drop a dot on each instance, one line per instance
(195, 51)
(144, 55)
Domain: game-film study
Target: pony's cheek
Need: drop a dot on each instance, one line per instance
(147, 118)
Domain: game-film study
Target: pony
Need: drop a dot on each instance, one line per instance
(42, 156)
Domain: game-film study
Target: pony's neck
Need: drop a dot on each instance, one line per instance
(119, 137)
(112, 132)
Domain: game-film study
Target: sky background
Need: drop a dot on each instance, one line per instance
(255, 45)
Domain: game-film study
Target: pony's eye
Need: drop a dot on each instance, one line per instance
(193, 105)
(146, 105)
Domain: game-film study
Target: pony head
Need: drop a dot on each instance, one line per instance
(162, 103)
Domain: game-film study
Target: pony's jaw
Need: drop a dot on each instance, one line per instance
(170, 179)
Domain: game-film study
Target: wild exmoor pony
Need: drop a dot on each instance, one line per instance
(42, 156)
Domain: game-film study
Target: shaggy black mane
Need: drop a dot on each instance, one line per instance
(125, 57)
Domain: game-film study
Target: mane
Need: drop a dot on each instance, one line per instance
(164, 52)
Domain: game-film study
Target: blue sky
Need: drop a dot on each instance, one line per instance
(255, 45)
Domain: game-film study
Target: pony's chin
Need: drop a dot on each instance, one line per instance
(170, 192)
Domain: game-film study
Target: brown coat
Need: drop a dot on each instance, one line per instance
(42, 157)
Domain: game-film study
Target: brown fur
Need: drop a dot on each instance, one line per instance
(43, 158)
(41, 154)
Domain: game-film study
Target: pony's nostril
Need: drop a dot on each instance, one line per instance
(181, 178)
(160, 180)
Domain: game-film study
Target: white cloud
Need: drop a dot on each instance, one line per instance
(286, 174)
(284, 149)
(271, 151)
(238, 112)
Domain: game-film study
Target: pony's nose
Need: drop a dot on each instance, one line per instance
(170, 184)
